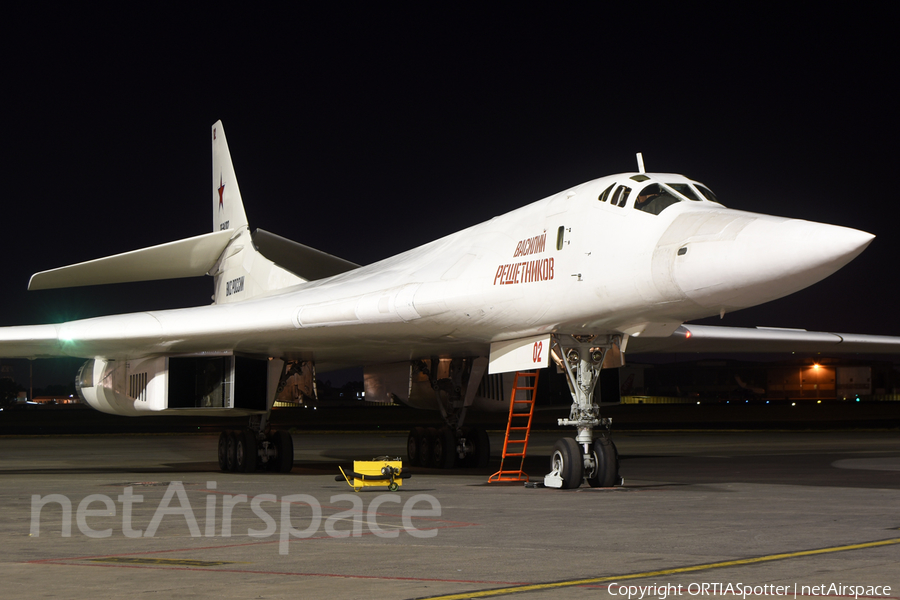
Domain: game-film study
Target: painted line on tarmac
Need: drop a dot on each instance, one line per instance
(182, 562)
(285, 573)
(674, 571)
(72, 560)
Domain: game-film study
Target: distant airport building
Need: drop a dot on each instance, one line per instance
(7, 371)
(792, 380)
(53, 400)
(10, 390)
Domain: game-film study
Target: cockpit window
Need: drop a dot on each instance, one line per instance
(654, 199)
(707, 193)
(620, 196)
(654, 196)
(685, 190)
(605, 193)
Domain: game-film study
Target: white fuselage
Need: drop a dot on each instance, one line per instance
(612, 269)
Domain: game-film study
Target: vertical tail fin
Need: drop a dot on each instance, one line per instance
(228, 207)
(241, 272)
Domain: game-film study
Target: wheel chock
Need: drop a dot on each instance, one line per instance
(553, 480)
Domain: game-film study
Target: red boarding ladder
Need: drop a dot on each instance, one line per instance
(521, 408)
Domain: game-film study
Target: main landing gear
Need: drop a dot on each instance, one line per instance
(585, 458)
(446, 448)
(258, 447)
(455, 382)
(246, 450)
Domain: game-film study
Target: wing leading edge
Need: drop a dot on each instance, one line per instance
(713, 338)
(193, 329)
(30, 341)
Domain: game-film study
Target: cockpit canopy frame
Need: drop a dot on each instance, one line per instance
(656, 192)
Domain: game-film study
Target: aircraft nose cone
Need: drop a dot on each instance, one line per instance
(768, 258)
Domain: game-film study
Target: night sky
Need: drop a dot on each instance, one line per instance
(368, 131)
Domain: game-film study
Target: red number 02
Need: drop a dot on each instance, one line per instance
(536, 353)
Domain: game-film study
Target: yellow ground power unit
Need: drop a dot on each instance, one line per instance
(380, 471)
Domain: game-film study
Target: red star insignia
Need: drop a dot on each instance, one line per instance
(221, 190)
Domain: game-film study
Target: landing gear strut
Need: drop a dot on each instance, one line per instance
(455, 382)
(586, 457)
(257, 446)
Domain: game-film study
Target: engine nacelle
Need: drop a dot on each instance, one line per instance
(121, 387)
(182, 384)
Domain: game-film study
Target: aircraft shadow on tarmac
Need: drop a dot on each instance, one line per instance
(641, 471)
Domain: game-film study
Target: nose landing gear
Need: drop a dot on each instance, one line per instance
(585, 458)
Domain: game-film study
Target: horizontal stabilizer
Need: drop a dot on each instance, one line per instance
(189, 257)
(302, 261)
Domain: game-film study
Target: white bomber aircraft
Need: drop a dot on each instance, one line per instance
(617, 263)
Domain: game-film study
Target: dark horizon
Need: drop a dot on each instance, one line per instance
(370, 133)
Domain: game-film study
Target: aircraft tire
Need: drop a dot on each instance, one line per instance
(617, 479)
(428, 447)
(223, 451)
(606, 472)
(272, 463)
(444, 449)
(482, 448)
(230, 452)
(414, 446)
(284, 444)
(469, 459)
(480, 455)
(245, 451)
(567, 459)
